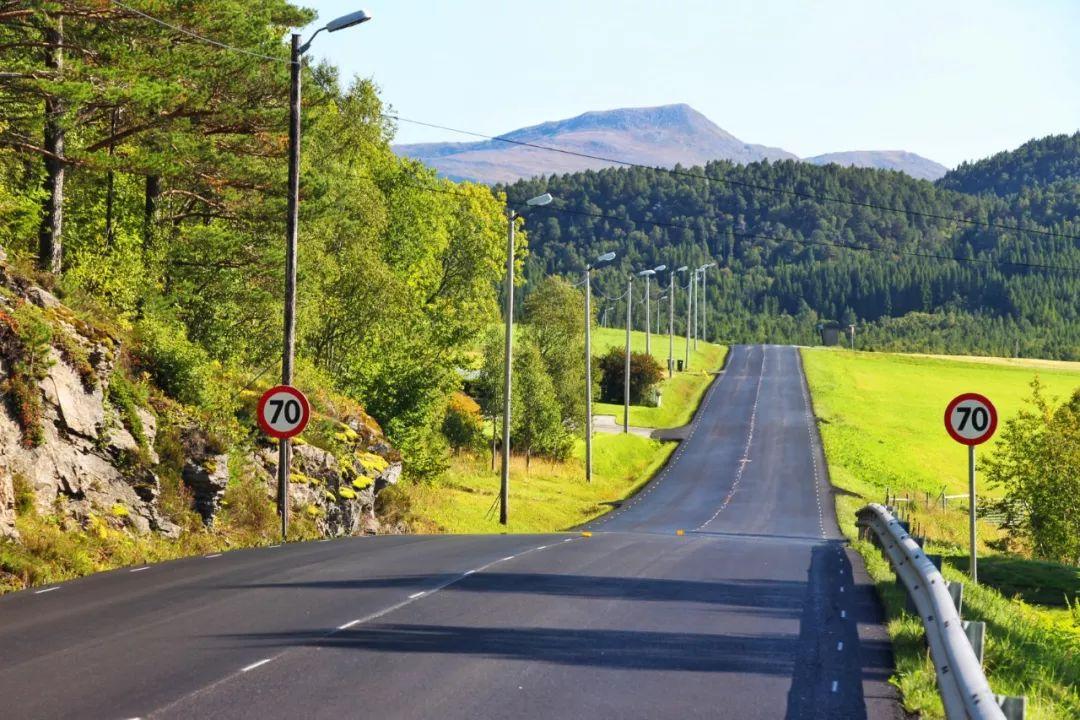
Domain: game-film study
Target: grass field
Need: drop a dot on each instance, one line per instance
(881, 421)
(549, 498)
(681, 394)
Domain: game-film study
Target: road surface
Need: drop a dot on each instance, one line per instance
(756, 611)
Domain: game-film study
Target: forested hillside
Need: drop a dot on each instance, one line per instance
(799, 244)
(1033, 165)
(143, 173)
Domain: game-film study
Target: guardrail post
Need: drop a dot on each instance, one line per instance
(1014, 707)
(976, 635)
(936, 559)
(956, 592)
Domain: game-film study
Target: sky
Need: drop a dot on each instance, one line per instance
(951, 80)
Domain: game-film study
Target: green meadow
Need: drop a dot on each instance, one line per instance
(881, 421)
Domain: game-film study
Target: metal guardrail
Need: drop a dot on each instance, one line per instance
(965, 692)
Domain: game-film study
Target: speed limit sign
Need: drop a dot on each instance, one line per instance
(283, 412)
(971, 419)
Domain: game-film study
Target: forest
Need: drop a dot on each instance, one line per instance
(986, 261)
(142, 179)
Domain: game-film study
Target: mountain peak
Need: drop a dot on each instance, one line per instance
(659, 136)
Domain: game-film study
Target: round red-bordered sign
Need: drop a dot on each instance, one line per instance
(971, 419)
(283, 412)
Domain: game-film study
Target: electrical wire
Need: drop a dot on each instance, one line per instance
(196, 36)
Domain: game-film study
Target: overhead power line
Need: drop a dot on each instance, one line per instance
(737, 183)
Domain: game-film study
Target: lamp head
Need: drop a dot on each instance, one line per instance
(606, 257)
(660, 268)
(346, 21)
(646, 273)
(539, 200)
(682, 269)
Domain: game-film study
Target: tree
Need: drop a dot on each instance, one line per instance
(463, 424)
(535, 423)
(554, 313)
(1037, 462)
(645, 374)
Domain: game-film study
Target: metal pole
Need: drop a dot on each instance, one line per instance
(689, 314)
(971, 514)
(588, 376)
(704, 307)
(284, 446)
(697, 309)
(626, 366)
(504, 486)
(648, 347)
(671, 328)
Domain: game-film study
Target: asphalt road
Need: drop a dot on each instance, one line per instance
(756, 611)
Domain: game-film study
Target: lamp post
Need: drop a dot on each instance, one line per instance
(648, 274)
(704, 302)
(689, 317)
(626, 361)
(659, 300)
(291, 231)
(671, 322)
(606, 257)
(511, 219)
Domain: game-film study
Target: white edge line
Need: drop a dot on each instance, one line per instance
(348, 625)
(254, 665)
(508, 557)
(422, 593)
(40, 592)
(835, 685)
(140, 569)
(843, 613)
(840, 645)
(212, 556)
(467, 572)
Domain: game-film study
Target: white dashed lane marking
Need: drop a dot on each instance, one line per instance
(42, 592)
(140, 569)
(215, 554)
(254, 665)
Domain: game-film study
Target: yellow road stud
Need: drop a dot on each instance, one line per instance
(680, 532)
(586, 534)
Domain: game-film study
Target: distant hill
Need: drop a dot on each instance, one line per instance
(662, 136)
(906, 162)
(657, 136)
(1034, 164)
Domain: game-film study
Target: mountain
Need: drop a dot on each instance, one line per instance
(1036, 163)
(906, 162)
(663, 136)
(657, 136)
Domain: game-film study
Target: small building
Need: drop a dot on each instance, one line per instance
(830, 333)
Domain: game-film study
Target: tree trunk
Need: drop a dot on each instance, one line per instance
(528, 459)
(153, 190)
(493, 424)
(50, 242)
(110, 192)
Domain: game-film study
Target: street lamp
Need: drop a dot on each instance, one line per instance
(671, 321)
(648, 274)
(605, 258)
(512, 216)
(703, 302)
(291, 223)
(659, 300)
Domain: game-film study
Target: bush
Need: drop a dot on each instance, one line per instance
(127, 398)
(179, 367)
(645, 374)
(463, 425)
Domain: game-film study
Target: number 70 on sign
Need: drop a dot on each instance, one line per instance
(283, 412)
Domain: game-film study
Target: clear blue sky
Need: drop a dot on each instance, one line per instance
(948, 79)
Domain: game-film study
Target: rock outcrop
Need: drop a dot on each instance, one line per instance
(90, 458)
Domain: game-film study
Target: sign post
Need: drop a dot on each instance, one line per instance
(971, 419)
(283, 413)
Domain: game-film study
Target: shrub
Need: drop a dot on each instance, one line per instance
(24, 494)
(25, 339)
(463, 425)
(127, 398)
(179, 367)
(74, 354)
(645, 374)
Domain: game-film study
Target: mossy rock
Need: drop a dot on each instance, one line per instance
(313, 511)
(372, 462)
(119, 510)
(347, 493)
(362, 482)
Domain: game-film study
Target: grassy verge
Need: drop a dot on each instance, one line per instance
(551, 496)
(681, 394)
(880, 421)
